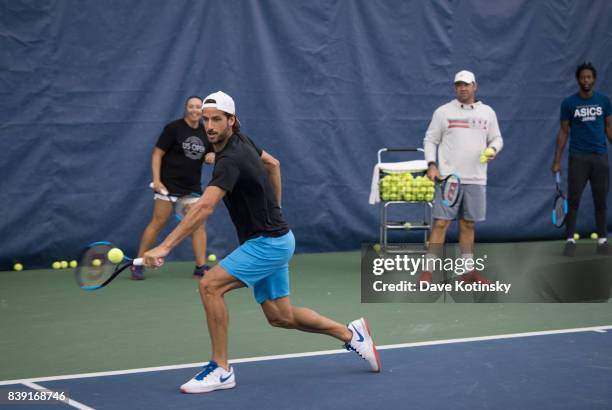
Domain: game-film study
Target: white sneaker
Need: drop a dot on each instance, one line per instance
(362, 344)
(212, 377)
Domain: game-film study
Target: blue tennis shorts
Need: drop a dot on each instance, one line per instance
(263, 264)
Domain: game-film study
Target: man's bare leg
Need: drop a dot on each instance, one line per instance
(466, 237)
(281, 313)
(213, 287)
(357, 336)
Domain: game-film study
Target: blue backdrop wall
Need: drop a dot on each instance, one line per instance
(86, 87)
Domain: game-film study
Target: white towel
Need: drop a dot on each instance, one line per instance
(393, 168)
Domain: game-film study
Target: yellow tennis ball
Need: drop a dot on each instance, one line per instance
(483, 159)
(376, 247)
(56, 265)
(64, 264)
(594, 236)
(18, 267)
(489, 151)
(576, 236)
(212, 257)
(73, 264)
(115, 255)
(96, 262)
(407, 225)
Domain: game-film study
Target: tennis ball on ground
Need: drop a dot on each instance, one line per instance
(594, 236)
(96, 262)
(64, 264)
(115, 255)
(73, 264)
(212, 257)
(56, 265)
(376, 247)
(576, 236)
(18, 267)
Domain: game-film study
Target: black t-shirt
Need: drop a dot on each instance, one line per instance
(184, 147)
(249, 198)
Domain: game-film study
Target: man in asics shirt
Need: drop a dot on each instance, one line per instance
(586, 120)
(262, 259)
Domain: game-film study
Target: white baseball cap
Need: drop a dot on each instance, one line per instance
(465, 76)
(220, 101)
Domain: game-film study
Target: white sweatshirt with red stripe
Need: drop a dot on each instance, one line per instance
(457, 136)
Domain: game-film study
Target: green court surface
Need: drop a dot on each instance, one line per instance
(48, 326)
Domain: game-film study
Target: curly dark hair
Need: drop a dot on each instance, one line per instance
(585, 66)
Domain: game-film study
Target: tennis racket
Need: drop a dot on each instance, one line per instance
(181, 203)
(450, 187)
(559, 205)
(95, 271)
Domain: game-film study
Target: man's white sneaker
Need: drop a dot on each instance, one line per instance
(212, 377)
(362, 344)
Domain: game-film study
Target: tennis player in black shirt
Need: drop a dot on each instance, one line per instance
(262, 259)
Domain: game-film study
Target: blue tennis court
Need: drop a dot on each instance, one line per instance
(568, 369)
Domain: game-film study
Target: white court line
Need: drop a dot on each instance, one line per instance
(598, 329)
(70, 402)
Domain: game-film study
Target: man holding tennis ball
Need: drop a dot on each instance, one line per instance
(261, 261)
(462, 138)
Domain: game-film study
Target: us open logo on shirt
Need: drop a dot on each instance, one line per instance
(193, 147)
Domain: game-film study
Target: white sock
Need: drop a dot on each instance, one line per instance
(601, 241)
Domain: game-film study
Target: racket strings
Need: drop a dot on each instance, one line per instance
(450, 190)
(560, 211)
(93, 266)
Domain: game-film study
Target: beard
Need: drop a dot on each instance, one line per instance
(221, 136)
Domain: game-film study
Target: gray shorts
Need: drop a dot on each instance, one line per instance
(471, 205)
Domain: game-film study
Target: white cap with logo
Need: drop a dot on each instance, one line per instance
(220, 101)
(465, 76)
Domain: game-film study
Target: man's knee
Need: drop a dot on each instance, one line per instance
(209, 288)
(285, 321)
(466, 224)
(279, 314)
(442, 224)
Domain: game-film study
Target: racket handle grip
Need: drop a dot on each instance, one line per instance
(138, 262)
(163, 192)
(557, 177)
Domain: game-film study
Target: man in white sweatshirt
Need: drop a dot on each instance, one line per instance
(459, 133)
